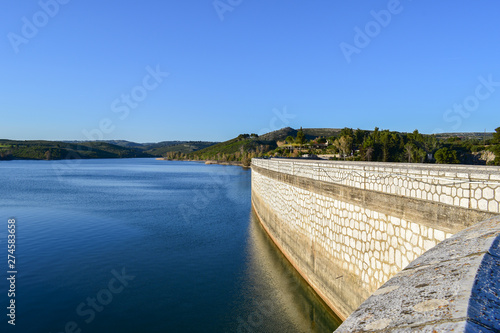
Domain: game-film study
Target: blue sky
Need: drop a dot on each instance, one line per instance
(82, 69)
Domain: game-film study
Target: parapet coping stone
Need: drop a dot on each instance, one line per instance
(489, 169)
(455, 286)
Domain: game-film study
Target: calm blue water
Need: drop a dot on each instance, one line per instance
(139, 245)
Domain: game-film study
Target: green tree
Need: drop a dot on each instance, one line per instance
(346, 131)
(300, 137)
(385, 139)
(359, 136)
(289, 139)
(446, 156)
(246, 160)
(496, 136)
(496, 149)
(421, 155)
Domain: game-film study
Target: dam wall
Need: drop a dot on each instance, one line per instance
(453, 287)
(348, 227)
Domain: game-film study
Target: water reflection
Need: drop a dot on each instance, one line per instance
(278, 299)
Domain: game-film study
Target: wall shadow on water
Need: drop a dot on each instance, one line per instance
(276, 297)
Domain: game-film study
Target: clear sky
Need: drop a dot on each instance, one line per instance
(72, 70)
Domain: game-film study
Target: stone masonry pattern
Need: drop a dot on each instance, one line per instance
(471, 187)
(364, 242)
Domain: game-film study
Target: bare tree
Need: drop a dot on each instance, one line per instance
(344, 145)
(369, 153)
(409, 151)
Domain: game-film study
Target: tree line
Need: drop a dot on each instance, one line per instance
(389, 146)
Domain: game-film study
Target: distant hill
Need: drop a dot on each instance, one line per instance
(279, 135)
(121, 143)
(466, 135)
(178, 146)
(313, 133)
(243, 142)
(56, 150)
(127, 144)
(237, 151)
(310, 133)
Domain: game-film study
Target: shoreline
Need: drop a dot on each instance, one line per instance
(208, 162)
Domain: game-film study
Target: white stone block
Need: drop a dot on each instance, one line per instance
(488, 193)
(396, 221)
(493, 206)
(447, 190)
(408, 235)
(414, 240)
(355, 234)
(439, 235)
(473, 203)
(394, 242)
(404, 262)
(479, 176)
(386, 269)
(398, 258)
(390, 229)
(448, 200)
(483, 204)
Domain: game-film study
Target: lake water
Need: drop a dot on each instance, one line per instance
(139, 245)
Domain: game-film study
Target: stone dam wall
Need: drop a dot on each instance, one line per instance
(453, 287)
(349, 227)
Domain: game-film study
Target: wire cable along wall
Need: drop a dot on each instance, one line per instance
(474, 187)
